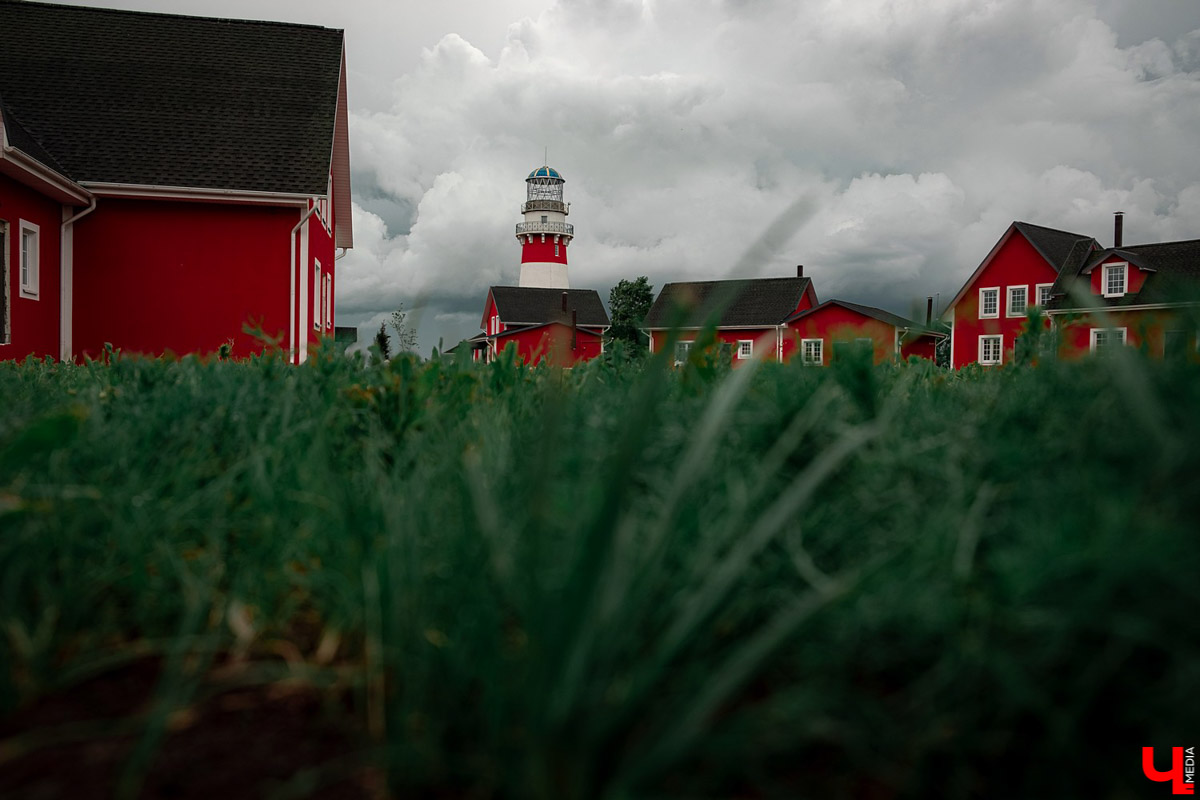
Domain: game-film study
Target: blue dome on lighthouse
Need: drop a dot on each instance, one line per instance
(545, 172)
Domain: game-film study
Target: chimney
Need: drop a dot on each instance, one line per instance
(928, 311)
(564, 302)
(799, 270)
(574, 328)
(1118, 228)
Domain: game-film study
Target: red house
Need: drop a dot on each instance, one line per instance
(821, 333)
(749, 315)
(1141, 296)
(165, 180)
(557, 326)
(992, 307)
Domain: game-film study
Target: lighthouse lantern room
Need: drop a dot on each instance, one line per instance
(545, 233)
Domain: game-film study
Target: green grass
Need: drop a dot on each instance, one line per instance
(625, 581)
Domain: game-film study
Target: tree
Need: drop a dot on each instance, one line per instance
(629, 302)
(406, 334)
(383, 343)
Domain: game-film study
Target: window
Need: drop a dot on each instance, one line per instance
(1105, 340)
(1174, 345)
(1114, 284)
(544, 218)
(556, 248)
(495, 328)
(328, 301)
(681, 351)
(30, 259)
(989, 303)
(316, 295)
(745, 349)
(1043, 294)
(991, 349)
(1018, 299)
(4, 333)
(812, 352)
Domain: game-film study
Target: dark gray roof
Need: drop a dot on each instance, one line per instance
(21, 139)
(886, 317)
(526, 305)
(739, 303)
(1057, 247)
(167, 100)
(1174, 276)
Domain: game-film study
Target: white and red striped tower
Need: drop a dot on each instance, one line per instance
(545, 233)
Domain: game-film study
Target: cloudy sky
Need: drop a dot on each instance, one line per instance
(884, 144)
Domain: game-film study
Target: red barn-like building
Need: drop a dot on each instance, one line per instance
(750, 314)
(559, 326)
(821, 333)
(165, 180)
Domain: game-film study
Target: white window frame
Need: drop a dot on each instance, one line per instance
(7, 306)
(1093, 336)
(556, 249)
(983, 340)
(1038, 293)
(495, 324)
(328, 302)
(816, 359)
(745, 349)
(29, 267)
(1009, 310)
(1109, 269)
(316, 296)
(995, 314)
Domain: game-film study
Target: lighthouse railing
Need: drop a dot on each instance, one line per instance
(562, 228)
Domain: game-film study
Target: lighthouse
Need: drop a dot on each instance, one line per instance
(545, 232)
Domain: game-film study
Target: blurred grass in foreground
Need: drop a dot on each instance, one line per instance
(622, 581)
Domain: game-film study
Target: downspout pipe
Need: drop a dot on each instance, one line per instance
(295, 270)
(66, 284)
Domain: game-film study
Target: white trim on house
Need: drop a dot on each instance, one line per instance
(196, 194)
(6, 329)
(745, 349)
(1008, 308)
(984, 340)
(1112, 268)
(318, 290)
(995, 314)
(29, 259)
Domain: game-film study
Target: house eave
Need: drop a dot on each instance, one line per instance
(31, 172)
(1052, 312)
(196, 194)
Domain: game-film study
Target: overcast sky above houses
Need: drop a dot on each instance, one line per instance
(884, 144)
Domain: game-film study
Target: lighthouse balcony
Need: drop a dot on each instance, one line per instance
(542, 204)
(556, 228)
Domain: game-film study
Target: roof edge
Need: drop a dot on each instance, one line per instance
(195, 193)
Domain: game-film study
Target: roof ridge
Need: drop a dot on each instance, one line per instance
(1053, 230)
(170, 15)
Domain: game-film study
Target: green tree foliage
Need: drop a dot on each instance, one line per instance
(383, 343)
(628, 303)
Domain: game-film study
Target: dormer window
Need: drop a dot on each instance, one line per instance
(1115, 280)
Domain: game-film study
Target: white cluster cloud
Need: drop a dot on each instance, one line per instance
(911, 133)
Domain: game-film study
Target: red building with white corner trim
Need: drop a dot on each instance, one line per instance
(749, 315)
(991, 308)
(166, 201)
(820, 334)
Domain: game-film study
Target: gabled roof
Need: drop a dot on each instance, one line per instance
(886, 317)
(122, 97)
(590, 329)
(754, 302)
(1174, 276)
(527, 305)
(16, 137)
(1060, 249)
